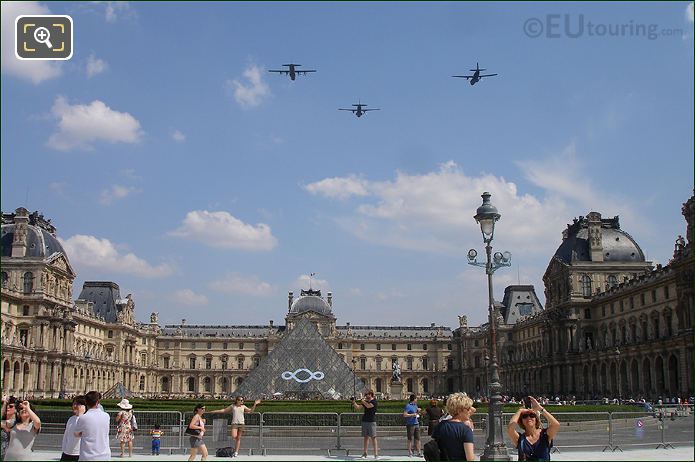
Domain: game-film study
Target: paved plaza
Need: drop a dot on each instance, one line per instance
(679, 453)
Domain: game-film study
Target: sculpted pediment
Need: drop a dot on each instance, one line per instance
(58, 261)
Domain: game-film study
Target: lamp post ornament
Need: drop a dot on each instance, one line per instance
(486, 215)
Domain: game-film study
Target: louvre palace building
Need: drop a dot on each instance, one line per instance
(612, 325)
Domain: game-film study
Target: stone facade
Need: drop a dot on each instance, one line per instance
(612, 325)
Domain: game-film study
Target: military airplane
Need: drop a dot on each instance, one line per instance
(475, 78)
(292, 71)
(359, 110)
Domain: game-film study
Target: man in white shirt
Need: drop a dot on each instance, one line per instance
(93, 429)
(71, 444)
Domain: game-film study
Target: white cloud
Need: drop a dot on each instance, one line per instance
(178, 136)
(81, 124)
(116, 192)
(339, 188)
(234, 283)
(222, 230)
(255, 92)
(189, 298)
(95, 66)
(102, 254)
(114, 10)
(434, 211)
(689, 12)
(34, 71)
(303, 283)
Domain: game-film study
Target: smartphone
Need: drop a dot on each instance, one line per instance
(527, 402)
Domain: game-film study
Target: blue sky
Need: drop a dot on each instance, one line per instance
(174, 164)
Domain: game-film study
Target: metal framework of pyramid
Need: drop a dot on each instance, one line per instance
(303, 366)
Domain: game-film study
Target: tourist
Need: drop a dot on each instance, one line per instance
(71, 444)
(156, 434)
(469, 420)
(238, 409)
(412, 425)
(434, 413)
(8, 417)
(196, 430)
(368, 402)
(125, 424)
(535, 442)
(22, 433)
(93, 430)
(454, 436)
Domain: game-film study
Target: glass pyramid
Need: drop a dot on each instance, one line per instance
(301, 366)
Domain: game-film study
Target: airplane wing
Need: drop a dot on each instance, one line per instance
(351, 110)
(488, 75)
(304, 72)
(371, 109)
(463, 76)
(280, 72)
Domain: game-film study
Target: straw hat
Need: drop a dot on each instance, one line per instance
(125, 404)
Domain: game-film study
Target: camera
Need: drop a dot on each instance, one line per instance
(527, 402)
(352, 398)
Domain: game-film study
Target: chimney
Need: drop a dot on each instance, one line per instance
(290, 296)
(330, 299)
(271, 323)
(183, 322)
(595, 241)
(19, 242)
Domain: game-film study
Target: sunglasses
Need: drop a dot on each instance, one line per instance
(10, 406)
(528, 415)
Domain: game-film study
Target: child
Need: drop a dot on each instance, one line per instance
(156, 435)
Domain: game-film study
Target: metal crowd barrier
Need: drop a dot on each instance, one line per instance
(287, 432)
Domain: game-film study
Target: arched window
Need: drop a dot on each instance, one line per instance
(363, 363)
(378, 385)
(165, 384)
(224, 385)
(449, 364)
(409, 385)
(208, 384)
(240, 362)
(425, 386)
(586, 285)
(409, 363)
(5, 278)
(28, 282)
(612, 280)
(191, 362)
(424, 362)
(191, 384)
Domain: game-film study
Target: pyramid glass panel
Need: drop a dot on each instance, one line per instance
(304, 366)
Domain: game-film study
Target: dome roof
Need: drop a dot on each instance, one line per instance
(311, 300)
(40, 243)
(618, 246)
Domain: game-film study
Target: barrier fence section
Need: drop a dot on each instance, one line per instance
(278, 432)
(53, 426)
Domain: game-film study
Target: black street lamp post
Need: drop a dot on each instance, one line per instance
(354, 377)
(486, 216)
(617, 374)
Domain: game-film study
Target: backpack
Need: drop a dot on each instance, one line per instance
(224, 452)
(433, 452)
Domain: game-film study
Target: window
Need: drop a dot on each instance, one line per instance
(475, 342)
(409, 385)
(425, 386)
(612, 280)
(378, 363)
(361, 346)
(363, 363)
(241, 346)
(586, 285)
(449, 364)
(110, 334)
(632, 302)
(666, 295)
(448, 346)
(510, 336)
(166, 362)
(424, 347)
(621, 306)
(191, 363)
(409, 364)
(525, 309)
(209, 345)
(5, 279)
(142, 383)
(587, 313)
(208, 363)
(208, 384)
(340, 346)
(633, 332)
(191, 384)
(144, 340)
(393, 346)
(378, 385)
(477, 361)
(256, 361)
(669, 328)
(240, 363)
(409, 346)
(192, 345)
(653, 296)
(603, 311)
(641, 297)
(25, 310)
(424, 362)
(224, 363)
(657, 332)
(225, 345)
(378, 346)
(143, 360)
(28, 282)
(165, 384)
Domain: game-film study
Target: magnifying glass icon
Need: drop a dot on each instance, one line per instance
(42, 35)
